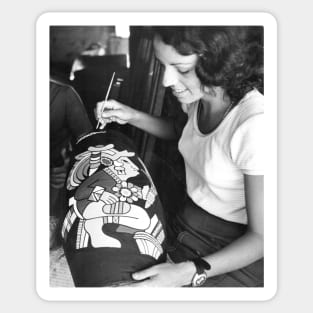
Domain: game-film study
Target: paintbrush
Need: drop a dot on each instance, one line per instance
(106, 97)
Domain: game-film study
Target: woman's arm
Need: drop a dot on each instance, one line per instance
(113, 111)
(248, 248)
(240, 253)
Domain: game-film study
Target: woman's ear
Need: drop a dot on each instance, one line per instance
(209, 91)
(206, 89)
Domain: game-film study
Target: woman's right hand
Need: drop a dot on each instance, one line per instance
(114, 111)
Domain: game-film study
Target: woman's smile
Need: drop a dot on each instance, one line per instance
(179, 93)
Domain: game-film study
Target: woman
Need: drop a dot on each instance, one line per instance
(215, 73)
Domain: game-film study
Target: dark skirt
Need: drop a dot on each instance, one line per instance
(194, 232)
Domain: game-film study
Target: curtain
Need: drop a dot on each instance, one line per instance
(146, 92)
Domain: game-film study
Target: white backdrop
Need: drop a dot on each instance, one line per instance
(18, 151)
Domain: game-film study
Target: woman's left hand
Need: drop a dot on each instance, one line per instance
(165, 275)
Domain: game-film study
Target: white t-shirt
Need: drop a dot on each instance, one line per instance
(216, 163)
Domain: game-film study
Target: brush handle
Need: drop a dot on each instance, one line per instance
(107, 95)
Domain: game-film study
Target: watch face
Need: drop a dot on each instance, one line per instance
(199, 279)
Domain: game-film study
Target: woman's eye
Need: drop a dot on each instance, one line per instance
(184, 71)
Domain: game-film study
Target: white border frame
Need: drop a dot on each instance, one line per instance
(42, 156)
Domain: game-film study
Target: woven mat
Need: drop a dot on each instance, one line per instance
(60, 275)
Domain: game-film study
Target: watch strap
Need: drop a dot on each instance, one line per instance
(200, 276)
(201, 265)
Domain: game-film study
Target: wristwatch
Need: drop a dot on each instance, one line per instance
(200, 276)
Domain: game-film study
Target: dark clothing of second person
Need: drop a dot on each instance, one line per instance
(68, 122)
(68, 119)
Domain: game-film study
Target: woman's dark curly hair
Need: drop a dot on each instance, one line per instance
(230, 57)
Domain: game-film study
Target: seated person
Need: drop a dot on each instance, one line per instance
(68, 121)
(115, 222)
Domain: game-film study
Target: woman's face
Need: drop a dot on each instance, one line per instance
(179, 72)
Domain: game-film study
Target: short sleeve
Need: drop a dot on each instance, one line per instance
(247, 145)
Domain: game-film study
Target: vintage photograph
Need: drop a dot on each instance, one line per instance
(157, 144)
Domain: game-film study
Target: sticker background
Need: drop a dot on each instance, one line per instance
(293, 290)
